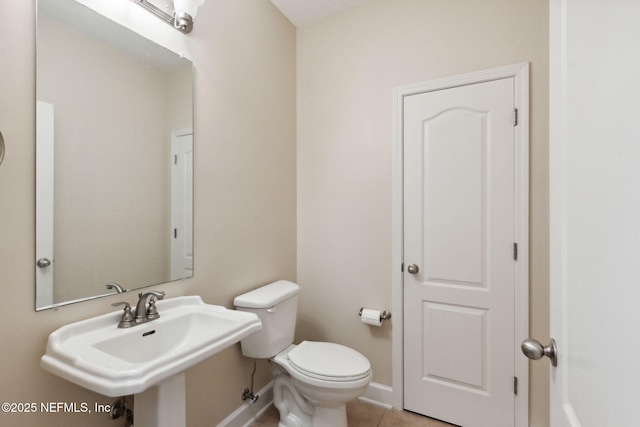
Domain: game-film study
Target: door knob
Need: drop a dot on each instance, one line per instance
(534, 350)
(413, 269)
(43, 263)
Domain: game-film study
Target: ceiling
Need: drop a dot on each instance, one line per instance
(305, 12)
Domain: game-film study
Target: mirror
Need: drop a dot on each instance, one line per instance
(114, 158)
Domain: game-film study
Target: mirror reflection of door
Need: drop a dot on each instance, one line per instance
(44, 203)
(182, 204)
(117, 98)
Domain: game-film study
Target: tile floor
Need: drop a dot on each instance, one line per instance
(361, 414)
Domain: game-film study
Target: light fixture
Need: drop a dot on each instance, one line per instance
(184, 11)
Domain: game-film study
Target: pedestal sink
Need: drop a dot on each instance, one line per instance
(147, 360)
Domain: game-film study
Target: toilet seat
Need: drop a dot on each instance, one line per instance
(328, 361)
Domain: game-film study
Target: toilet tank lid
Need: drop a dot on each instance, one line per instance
(268, 295)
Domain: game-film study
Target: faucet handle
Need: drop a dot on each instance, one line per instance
(126, 304)
(152, 310)
(127, 317)
(157, 294)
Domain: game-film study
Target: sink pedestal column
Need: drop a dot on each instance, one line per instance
(163, 405)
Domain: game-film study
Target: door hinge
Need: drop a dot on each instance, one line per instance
(515, 251)
(515, 117)
(402, 268)
(515, 385)
(175, 159)
(175, 233)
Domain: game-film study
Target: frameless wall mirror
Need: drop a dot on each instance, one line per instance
(114, 158)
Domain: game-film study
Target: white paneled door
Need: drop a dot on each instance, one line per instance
(460, 255)
(594, 212)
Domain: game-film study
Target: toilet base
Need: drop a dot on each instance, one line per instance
(335, 416)
(331, 418)
(296, 411)
(293, 408)
(309, 402)
(323, 416)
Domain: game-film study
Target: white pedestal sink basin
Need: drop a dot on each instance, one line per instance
(147, 360)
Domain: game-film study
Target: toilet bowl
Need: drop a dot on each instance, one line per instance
(312, 380)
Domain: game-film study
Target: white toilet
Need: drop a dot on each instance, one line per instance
(312, 381)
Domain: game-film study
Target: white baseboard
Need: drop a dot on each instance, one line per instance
(379, 395)
(376, 394)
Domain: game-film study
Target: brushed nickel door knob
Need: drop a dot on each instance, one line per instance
(43, 263)
(534, 350)
(413, 269)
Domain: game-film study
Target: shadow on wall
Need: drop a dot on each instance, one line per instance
(307, 329)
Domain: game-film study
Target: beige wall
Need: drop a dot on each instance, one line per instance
(244, 198)
(347, 68)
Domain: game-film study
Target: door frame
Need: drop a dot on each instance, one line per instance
(520, 74)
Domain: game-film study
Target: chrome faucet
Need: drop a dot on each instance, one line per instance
(144, 313)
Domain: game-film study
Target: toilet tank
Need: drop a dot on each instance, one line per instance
(276, 305)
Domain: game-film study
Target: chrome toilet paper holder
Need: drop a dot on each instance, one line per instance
(386, 314)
